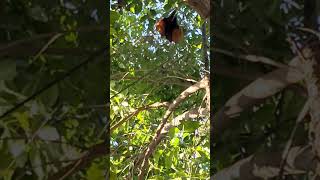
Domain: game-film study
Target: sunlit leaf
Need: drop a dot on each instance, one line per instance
(175, 142)
(95, 172)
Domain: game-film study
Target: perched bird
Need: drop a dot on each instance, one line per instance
(169, 28)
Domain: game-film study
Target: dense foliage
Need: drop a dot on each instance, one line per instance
(147, 69)
(40, 42)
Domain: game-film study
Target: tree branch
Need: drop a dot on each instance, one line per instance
(201, 6)
(266, 165)
(256, 92)
(95, 151)
(150, 106)
(142, 162)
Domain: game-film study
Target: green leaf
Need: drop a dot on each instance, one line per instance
(23, 119)
(95, 173)
(157, 156)
(168, 160)
(114, 16)
(113, 32)
(7, 69)
(190, 126)
(113, 175)
(132, 9)
(71, 37)
(167, 7)
(202, 152)
(143, 18)
(138, 7)
(153, 13)
(173, 132)
(175, 142)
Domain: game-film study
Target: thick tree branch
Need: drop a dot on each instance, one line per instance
(201, 6)
(311, 68)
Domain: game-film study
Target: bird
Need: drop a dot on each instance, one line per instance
(168, 27)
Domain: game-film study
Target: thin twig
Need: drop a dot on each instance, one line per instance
(285, 153)
(45, 47)
(252, 58)
(47, 35)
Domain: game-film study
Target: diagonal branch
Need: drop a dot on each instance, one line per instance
(142, 162)
(285, 153)
(193, 113)
(95, 151)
